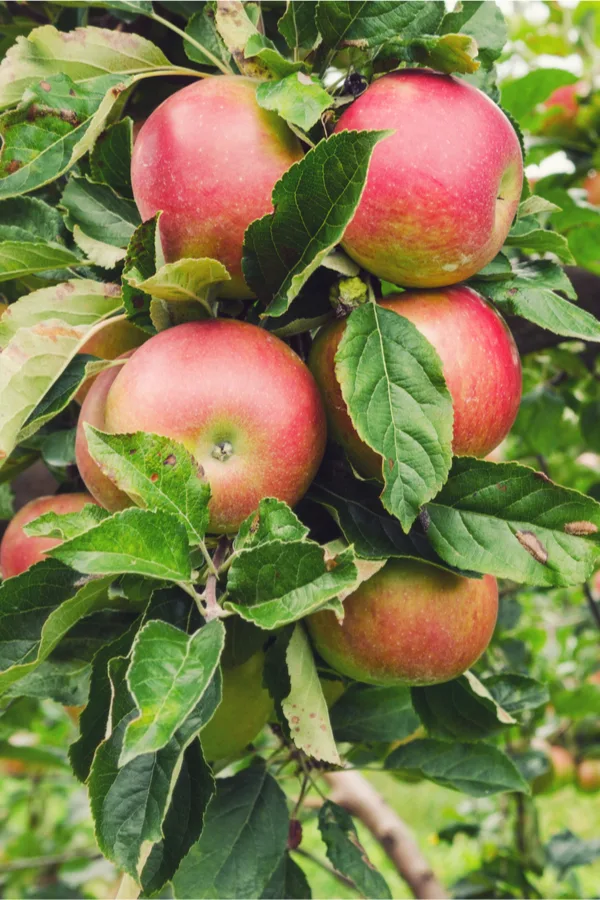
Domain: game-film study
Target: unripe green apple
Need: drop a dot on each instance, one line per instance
(209, 158)
(237, 397)
(410, 623)
(588, 776)
(18, 551)
(480, 362)
(243, 712)
(443, 189)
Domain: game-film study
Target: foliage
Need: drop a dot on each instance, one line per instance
(131, 616)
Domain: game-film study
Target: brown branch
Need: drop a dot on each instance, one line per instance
(356, 795)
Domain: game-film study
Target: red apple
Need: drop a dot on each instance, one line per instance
(588, 776)
(110, 342)
(591, 186)
(563, 766)
(18, 551)
(209, 157)
(236, 396)
(565, 105)
(411, 623)
(443, 189)
(481, 366)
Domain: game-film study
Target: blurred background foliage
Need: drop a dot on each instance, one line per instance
(549, 79)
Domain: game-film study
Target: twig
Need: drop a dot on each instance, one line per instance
(356, 795)
(592, 604)
(46, 862)
(329, 869)
(213, 610)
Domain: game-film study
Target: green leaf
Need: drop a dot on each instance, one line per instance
(138, 541)
(305, 707)
(201, 28)
(58, 397)
(475, 769)
(140, 263)
(167, 677)
(393, 385)
(279, 582)
(366, 712)
(565, 851)
(67, 525)
(314, 202)
(182, 825)
(130, 803)
(243, 841)
(94, 718)
(31, 363)
(531, 239)
(7, 510)
(532, 295)
(235, 27)
(461, 709)
(99, 211)
(272, 521)
(29, 219)
(76, 302)
(540, 423)
(483, 21)
(110, 160)
(517, 693)
(184, 280)
(82, 55)
(19, 258)
(299, 99)
(45, 135)
(346, 853)
(368, 24)
(446, 53)
(157, 473)
(521, 96)
(298, 25)
(288, 880)
(64, 681)
(260, 47)
(578, 703)
(506, 520)
(37, 608)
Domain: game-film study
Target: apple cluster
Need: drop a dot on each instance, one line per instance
(441, 193)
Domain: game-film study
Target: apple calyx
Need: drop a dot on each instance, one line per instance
(222, 451)
(347, 294)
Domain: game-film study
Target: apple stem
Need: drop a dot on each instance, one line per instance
(213, 609)
(225, 69)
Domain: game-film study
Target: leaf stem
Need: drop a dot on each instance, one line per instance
(225, 69)
(329, 869)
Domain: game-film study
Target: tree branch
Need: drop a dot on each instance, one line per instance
(356, 795)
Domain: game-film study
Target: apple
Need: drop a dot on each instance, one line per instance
(209, 158)
(480, 361)
(18, 551)
(591, 186)
(562, 766)
(243, 712)
(410, 623)
(588, 776)
(565, 105)
(110, 342)
(237, 397)
(443, 189)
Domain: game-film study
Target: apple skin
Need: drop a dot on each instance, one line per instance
(562, 122)
(591, 186)
(442, 191)
(209, 158)
(480, 361)
(588, 776)
(237, 397)
(243, 712)
(19, 552)
(115, 339)
(411, 623)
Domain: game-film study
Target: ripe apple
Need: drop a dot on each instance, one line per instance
(209, 157)
(110, 342)
(565, 104)
(591, 186)
(588, 776)
(562, 766)
(443, 189)
(18, 551)
(236, 396)
(481, 366)
(410, 623)
(243, 712)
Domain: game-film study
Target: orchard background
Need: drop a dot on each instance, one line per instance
(486, 785)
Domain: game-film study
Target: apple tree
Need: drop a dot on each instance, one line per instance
(276, 291)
